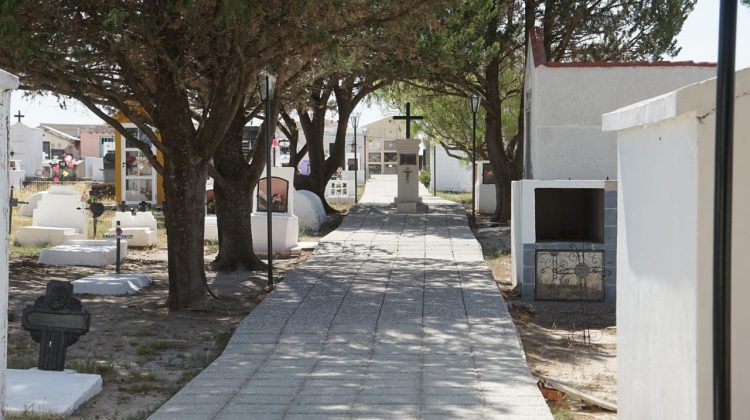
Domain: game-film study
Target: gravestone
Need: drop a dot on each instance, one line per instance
(408, 176)
(285, 225)
(56, 321)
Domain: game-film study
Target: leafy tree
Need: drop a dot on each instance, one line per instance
(480, 47)
(179, 69)
(367, 61)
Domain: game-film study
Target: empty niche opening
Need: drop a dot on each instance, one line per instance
(569, 215)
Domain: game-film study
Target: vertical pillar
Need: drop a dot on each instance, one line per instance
(8, 82)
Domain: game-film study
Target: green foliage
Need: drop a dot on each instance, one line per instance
(746, 2)
(424, 178)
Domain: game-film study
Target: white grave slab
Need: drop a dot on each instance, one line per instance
(309, 209)
(408, 176)
(141, 226)
(60, 216)
(285, 225)
(95, 253)
(111, 284)
(47, 392)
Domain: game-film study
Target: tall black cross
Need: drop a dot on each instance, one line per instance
(19, 116)
(408, 117)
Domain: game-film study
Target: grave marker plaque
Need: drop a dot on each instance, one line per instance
(56, 321)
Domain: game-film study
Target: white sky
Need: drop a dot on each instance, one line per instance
(698, 39)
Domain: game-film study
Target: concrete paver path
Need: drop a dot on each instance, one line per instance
(394, 317)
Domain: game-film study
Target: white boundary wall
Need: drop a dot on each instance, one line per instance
(8, 82)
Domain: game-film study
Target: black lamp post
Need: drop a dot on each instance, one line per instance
(267, 84)
(722, 256)
(474, 102)
(355, 120)
(434, 170)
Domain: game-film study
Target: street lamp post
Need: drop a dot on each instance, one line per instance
(355, 120)
(434, 170)
(364, 147)
(267, 84)
(474, 102)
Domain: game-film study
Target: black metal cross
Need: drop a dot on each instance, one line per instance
(12, 202)
(19, 116)
(408, 117)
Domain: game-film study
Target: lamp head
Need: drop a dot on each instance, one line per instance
(267, 84)
(354, 119)
(474, 100)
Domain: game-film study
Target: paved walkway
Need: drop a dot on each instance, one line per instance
(395, 317)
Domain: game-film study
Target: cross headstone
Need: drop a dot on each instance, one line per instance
(19, 116)
(12, 202)
(408, 117)
(56, 321)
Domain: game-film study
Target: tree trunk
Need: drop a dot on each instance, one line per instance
(185, 191)
(501, 164)
(233, 193)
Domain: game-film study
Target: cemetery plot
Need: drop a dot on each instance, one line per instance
(143, 353)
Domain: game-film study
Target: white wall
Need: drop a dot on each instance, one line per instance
(451, 174)
(8, 82)
(26, 144)
(566, 107)
(665, 250)
(658, 272)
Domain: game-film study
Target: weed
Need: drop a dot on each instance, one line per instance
(99, 367)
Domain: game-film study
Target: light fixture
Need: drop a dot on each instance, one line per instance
(266, 84)
(474, 100)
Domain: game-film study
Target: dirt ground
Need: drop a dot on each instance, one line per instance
(552, 334)
(143, 352)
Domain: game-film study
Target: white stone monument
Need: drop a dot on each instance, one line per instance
(141, 226)
(665, 249)
(8, 82)
(285, 225)
(60, 216)
(408, 176)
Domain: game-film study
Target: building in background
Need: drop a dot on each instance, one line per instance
(381, 156)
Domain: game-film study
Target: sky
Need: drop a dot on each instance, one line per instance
(698, 39)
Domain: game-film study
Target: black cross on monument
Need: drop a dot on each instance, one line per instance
(408, 117)
(19, 116)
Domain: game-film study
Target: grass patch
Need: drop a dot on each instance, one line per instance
(463, 198)
(29, 415)
(98, 367)
(211, 246)
(23, 358)
(155, 347)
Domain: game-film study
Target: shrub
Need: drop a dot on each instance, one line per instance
(424, 178)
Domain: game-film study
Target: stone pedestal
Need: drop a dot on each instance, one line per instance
(408, 176)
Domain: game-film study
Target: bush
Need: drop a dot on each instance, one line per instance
(424, 178)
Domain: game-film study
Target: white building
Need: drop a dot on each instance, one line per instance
(448, 173)
(559, 215)
(665, 250)
(26, 147)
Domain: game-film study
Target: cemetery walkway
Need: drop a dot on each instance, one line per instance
(395, 316)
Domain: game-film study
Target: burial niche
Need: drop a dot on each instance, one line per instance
(569, 215)
(279, 195)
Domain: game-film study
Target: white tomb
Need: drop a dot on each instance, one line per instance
(95, 253)
(60, 216)
(485, 197)
(284, 224)
(26, 147)
(309, 210)
(665, 253)
(564, 142)
(27, 209)
(340, 191)
(408, 176)
(36, 391)
(140, 227)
